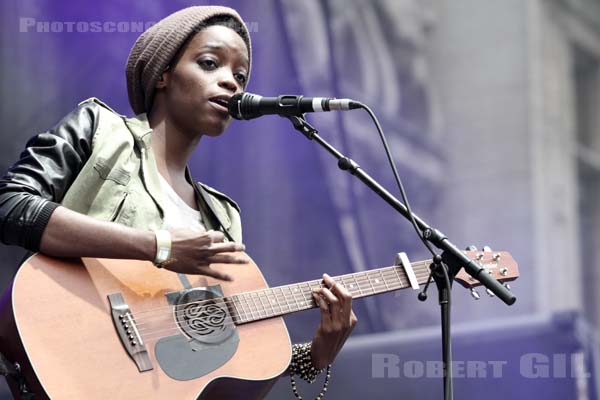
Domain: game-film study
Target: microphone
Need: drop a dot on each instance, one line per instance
(249, 106)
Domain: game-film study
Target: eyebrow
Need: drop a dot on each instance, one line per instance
(216, 46)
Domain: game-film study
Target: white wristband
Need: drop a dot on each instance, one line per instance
(163, 246)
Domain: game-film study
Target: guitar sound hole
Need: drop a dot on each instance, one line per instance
(202, 320)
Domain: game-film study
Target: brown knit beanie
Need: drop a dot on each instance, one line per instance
(156, 47)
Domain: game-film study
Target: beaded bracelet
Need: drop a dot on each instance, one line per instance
(302, 366)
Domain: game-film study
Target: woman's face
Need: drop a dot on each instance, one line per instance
(211, 69)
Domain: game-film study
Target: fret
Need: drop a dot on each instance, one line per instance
(370, 283)
(394, 279)
(384, 280)
(357, 285)
(256, 300)
(252, 305)
(293, 295)
(298, 292)
(272, 299)
(284, 299)
(363, 287)
(344, 283)
(396, 269)
(424, 271)
(236, 311)
(248, 307)
(307, 294)
(377, 281)
(261, 298)
(240, 306)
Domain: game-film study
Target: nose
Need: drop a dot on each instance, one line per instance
(228, 82)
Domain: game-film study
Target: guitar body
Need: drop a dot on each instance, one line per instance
(57, 324)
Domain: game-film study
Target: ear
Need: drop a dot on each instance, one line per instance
(163, 79)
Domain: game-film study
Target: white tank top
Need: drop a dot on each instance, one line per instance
(177, 213)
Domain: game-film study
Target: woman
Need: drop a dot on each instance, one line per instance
(121, 185)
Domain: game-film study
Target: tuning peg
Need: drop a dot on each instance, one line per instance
(507, 286)
(475, 295)
(487, 248)
(489, 292)
(471, 248)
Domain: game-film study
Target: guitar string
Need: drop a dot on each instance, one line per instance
(341, 277)
(419, 265)
(148, 335)
(272, 311)
(151, 335)
(148, 332)
(257, 295)
(243, 313)
(312, 304)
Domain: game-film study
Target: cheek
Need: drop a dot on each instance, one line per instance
(189, 84)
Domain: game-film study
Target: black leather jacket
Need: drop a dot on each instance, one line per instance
(35, 185)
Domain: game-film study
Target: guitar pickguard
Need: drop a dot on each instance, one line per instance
(208, 337)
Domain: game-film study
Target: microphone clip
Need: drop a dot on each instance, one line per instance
(302, 126)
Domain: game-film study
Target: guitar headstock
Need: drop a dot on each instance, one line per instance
(499, 264)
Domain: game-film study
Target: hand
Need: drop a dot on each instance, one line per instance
(193, 252)
(337, 322)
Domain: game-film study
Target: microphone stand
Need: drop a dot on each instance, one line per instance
(452, 259)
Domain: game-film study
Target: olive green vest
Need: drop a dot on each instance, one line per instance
(120, 181)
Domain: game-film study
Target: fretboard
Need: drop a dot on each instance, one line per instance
(282, 300)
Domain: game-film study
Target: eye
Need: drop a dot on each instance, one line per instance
(208, 64)
(241, 78)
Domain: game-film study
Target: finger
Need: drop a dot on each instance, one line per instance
(336, 288)
(323, 306)
(210, 237)
(334, 303)
(328, 280)
(228, 247)
(227, 259)
(339, 289)
(341, 293)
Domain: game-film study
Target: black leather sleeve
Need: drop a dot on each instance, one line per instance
(35, 185)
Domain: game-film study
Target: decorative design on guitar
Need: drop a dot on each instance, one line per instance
(202, 315)
(199, 319)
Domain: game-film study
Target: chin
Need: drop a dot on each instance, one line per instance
(215, 130)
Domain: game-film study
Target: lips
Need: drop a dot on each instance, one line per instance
(221, 103)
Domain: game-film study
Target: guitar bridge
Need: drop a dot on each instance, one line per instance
(128, 332)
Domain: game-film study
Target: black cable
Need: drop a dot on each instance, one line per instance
(396, 176)
(447, 302)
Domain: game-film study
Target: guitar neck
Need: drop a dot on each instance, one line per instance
(283, 300)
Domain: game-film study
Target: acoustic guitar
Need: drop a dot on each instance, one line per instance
(122, 329)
